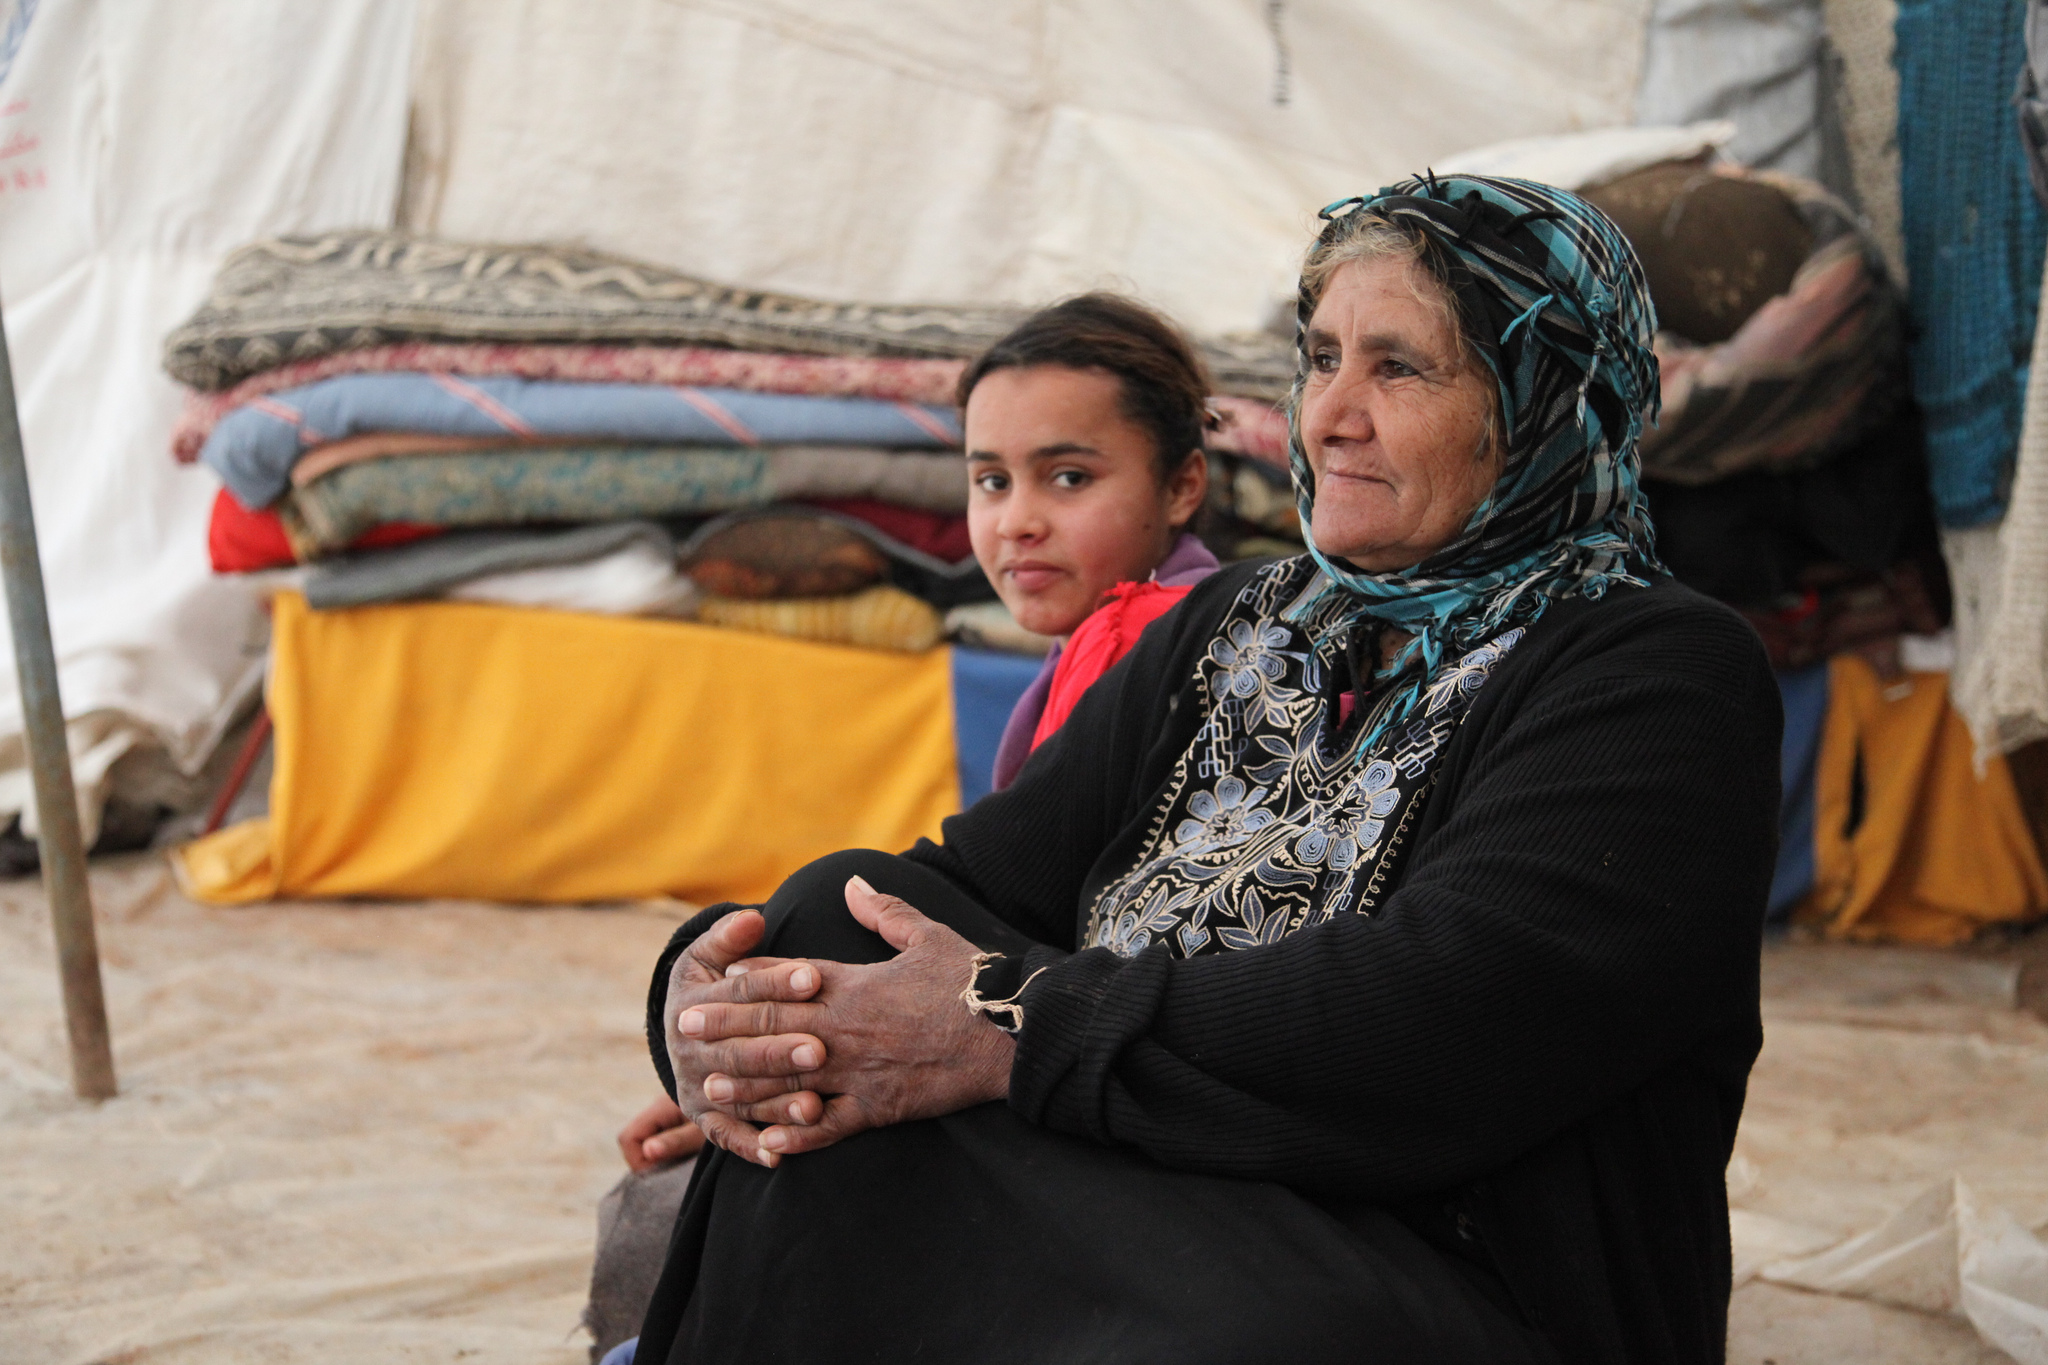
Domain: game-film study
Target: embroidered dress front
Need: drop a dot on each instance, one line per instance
(1278, 816)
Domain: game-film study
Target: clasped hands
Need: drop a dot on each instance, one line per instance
(775, 1056)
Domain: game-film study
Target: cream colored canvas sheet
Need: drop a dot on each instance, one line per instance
(344, 1133)
(366, 1132)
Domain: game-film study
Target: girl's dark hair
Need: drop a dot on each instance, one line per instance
(1165, 385)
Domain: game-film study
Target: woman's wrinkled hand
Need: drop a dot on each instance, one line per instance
(657, 1135)
(897, 1044)
(708, 977)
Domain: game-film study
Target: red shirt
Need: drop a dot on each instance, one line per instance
(1098, 642)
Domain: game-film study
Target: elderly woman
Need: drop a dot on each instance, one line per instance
(1368, 968)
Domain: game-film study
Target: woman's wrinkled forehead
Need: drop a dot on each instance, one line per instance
(1384, 303)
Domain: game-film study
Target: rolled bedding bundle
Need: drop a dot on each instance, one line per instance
(1781, 341)
(873, 618)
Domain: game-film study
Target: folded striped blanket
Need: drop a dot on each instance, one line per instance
(905, 381)
(296, 298)
(1249, 426)
(605, 483)
(256, 447)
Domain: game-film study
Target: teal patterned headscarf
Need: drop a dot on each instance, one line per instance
(1554, 299)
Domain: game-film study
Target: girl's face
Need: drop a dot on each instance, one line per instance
(1064, 498)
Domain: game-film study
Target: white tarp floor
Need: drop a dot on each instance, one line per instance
(352, 1132)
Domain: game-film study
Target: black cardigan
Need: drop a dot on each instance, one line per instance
(1535, 1050)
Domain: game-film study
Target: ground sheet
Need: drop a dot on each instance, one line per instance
(371, 1131)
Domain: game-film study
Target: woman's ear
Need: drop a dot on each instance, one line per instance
(1186, 488)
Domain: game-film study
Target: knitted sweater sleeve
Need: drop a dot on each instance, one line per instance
(1580, 914)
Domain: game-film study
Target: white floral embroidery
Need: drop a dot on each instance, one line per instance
(1223, 818)
(1338, 830)
(1266, 824)
(1131, 932)
(1464, 677)
(1249, 666)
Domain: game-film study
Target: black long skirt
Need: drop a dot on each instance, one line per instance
(982, 1238)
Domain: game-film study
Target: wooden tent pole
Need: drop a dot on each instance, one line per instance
(49, 758)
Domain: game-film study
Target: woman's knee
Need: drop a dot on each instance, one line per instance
(807, 915)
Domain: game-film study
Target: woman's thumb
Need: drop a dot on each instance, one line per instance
(890, 916)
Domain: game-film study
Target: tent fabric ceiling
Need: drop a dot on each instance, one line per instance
(1009, 152)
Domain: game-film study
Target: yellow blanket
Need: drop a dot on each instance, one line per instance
(500, 753)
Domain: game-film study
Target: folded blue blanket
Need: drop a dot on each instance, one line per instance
(254, 448)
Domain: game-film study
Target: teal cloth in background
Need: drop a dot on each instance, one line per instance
(1975, 236)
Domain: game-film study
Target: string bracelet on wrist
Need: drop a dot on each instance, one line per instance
(971, 996)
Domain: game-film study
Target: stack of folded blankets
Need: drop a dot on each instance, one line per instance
(398, 419)
(399, 422)
(543, 425)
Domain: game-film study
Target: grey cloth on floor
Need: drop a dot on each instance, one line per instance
(426, 568)
(634, 1223)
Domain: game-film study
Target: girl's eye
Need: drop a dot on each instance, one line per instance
(1070, 478)
(991, 482)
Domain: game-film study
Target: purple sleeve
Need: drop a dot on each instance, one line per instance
(1015, 745)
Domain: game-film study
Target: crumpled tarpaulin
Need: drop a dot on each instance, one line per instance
(445, 749)
(116, 214)
(1942, 1253)
(1890, 1153)
(380, 1132)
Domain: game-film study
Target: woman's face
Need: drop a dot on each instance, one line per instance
(1393, 418)
(1064, 499)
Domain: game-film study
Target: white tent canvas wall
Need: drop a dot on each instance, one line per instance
(889, 150)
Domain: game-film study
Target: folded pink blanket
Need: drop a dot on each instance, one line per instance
(904, 381)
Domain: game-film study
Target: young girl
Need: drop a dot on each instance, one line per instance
(1084, 458)
(1084, 462)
